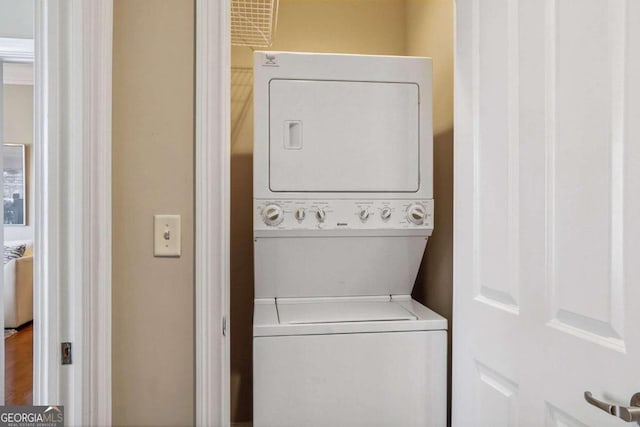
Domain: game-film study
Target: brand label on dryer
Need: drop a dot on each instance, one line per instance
(270, 60)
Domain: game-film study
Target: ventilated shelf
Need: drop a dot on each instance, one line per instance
(241, 90)
(253, 22)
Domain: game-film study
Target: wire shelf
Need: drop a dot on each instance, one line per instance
(241, 91)
(253, 22)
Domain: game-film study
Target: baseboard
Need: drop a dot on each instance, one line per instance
(241, 424)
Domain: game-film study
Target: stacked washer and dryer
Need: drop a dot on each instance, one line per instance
(343, 208)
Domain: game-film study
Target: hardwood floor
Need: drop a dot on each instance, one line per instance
(18, 367)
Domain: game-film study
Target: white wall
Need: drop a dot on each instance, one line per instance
(18, 129)
(16, 19)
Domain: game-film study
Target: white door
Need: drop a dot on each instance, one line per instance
(547, 211)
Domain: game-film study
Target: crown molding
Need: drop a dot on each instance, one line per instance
(16, 50)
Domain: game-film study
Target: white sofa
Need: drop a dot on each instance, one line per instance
(18, 288)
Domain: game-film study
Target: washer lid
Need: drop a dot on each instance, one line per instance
(344, 315)
(309, 311)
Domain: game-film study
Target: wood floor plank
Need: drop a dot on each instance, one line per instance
(18, 367)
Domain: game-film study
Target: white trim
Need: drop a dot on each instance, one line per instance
(212, 159)
(73, 209)
(46, 371)
(16, 50)
(18, 73)
(97, 19)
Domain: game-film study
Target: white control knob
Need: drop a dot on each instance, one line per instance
(385, 214)
(416, 213)
(272, 215)
(364, 214)
(321, 215)
(300, 214)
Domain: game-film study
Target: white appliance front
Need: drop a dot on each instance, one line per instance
(343, 208)
(289, 267)
(383, 379)
(352, 126)
(338, 136)
(362, 361)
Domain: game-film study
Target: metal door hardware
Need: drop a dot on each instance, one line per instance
(629, 413)
(66, 353)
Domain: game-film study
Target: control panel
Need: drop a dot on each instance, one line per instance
(342, 214)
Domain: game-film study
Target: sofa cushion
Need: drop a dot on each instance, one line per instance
(13, 251)
(28, 243)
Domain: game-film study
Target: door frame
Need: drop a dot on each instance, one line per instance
(212, 245)
(72, 147)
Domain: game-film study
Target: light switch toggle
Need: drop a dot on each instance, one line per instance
(166, 241)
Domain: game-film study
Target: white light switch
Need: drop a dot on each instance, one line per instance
(166, 235)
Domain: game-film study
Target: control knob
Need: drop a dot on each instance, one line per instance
(364, 214)
(416, 213)
(300, 214)
(385, 214)
(272, 215)
(321, 215)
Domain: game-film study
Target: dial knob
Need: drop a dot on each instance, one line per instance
(416, 213)
(272, 215)
(385, 214)
(300, 214)
(321, 215)
(364, 214)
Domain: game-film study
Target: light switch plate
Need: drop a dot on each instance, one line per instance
(166, 235)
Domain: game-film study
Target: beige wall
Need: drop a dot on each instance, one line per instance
(342, 26)
(338, 26)
(430, 33)
(153, 173)
(18, 129)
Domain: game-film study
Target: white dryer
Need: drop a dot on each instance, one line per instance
(343, 208)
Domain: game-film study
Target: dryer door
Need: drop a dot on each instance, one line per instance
(338, 136)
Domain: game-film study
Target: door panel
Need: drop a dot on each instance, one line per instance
(585, 158)
(498, 397)
(547, 166)
(559, 418)
(495, 158)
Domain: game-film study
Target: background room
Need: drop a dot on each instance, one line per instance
(19, 195)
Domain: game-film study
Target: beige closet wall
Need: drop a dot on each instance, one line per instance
(343, 26)
(153, 173)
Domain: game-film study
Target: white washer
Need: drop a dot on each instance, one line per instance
(343, 209)
(369, 361)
